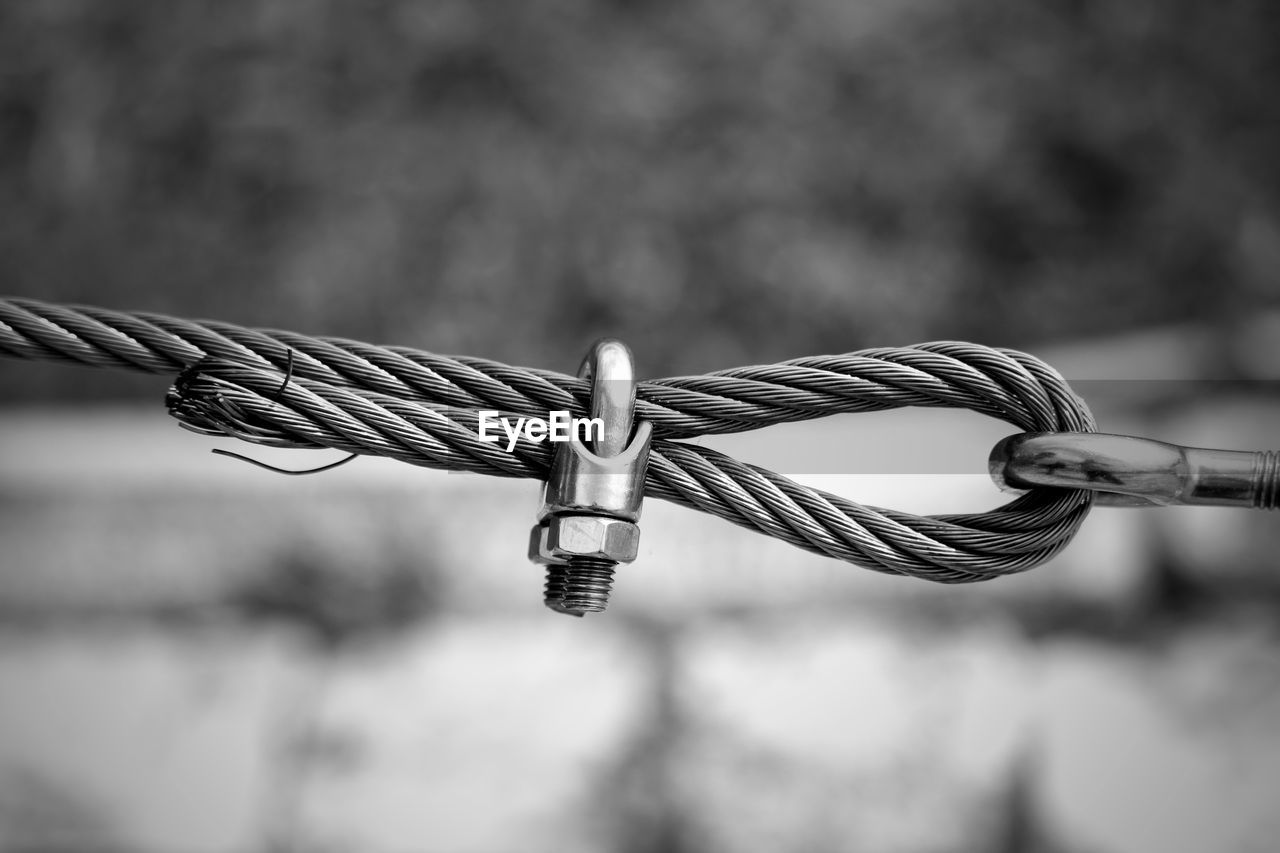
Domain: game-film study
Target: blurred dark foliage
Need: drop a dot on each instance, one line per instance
(305, 588)
(716, 182)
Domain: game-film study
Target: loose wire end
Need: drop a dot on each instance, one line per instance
(278, 470)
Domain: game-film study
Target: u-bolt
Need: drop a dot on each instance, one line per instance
(592, 499)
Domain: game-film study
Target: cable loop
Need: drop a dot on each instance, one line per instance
(422, 408)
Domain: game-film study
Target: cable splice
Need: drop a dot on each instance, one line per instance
(422, 408)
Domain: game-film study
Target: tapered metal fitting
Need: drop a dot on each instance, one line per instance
(592, 499)
(1129, 471)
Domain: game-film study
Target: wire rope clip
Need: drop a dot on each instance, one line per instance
(591, 502)
(1125, 470)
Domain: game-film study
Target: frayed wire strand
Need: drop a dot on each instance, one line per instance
(288, 376)
(279, 470)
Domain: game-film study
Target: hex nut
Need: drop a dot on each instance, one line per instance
(537, 546)
(561, 537)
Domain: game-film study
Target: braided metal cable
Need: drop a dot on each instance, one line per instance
(421, 408)
(1005, 384)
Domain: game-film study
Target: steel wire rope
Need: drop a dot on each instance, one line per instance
(422, 408)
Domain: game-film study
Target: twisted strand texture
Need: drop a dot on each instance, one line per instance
(421, 408)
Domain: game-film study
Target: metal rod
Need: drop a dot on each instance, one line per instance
(1130, 471)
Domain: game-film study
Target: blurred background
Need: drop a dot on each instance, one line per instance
(201, 656)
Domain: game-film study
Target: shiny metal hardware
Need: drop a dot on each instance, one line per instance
(1129, 471)
(592, 499)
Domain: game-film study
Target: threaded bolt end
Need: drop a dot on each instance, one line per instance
(553, 594)
(1266, 479)
(587, 583)
(580, 585)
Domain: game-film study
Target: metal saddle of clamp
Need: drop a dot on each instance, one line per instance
(592, 499)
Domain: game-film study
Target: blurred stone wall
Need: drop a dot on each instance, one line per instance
(201, 656)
